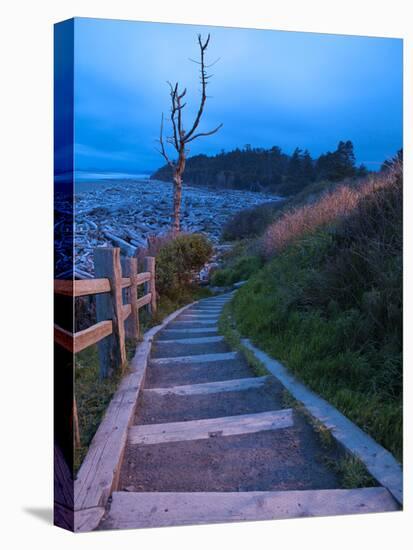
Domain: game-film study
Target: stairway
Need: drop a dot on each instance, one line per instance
(211, 442)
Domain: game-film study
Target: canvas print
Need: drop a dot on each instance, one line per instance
(228, 274)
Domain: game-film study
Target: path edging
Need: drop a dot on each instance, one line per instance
(98, 475)
(380, 463)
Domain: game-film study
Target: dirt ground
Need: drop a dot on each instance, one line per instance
(286, 459)
(154, 409)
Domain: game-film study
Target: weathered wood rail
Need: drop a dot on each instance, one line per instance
(117, 309)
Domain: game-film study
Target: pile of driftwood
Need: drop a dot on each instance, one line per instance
(126, 213)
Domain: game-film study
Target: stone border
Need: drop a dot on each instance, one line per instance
(99, 473)
(379, 462)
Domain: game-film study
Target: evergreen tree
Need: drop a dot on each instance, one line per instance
(308, 167)
(362, 171)
(269, 169)
(338, 165)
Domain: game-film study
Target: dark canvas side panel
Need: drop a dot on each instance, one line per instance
(63, 268)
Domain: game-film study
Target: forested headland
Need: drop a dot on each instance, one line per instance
(258, 169)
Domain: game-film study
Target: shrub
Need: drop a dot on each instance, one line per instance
(250, 222)
(177, 262)
(240, 270)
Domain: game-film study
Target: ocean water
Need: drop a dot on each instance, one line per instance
(88, 181)
(82, 176)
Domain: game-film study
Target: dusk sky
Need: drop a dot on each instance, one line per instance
(269, 88)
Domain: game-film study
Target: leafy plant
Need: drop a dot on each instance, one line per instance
(250, 222)
(178, 261)
(239, 270)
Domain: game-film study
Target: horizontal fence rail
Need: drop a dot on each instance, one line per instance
(83, 339)
(117, 281)
(75, 342)
(88, 287)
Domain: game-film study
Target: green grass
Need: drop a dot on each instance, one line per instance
(334, 348)
(352, 473)
(226, 327)
(238, 269)
(92, 396)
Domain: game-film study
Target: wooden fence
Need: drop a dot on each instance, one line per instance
(117, 311)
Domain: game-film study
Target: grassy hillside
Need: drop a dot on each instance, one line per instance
(325, 297)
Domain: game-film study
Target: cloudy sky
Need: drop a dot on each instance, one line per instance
(269, 88)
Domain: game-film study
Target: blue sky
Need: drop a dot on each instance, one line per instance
(269, 88)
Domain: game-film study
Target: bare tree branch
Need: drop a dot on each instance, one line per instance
(203, 47)
(180, 129)
(163, 150)
(183, 93)
(206, 66)
(173, 93)
(204, 133)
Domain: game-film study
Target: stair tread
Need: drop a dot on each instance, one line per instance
(134, 509)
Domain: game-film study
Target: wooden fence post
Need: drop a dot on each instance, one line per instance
(151, 286)
(112, 353)
(130, 269)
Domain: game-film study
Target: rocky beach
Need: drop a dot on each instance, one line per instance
(126, 212)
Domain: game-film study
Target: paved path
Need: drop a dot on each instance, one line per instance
(212, 443)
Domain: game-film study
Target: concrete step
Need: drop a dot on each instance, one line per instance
(196, 318)
(209, 301)
(212, 308)
(178, 348)
(150, 434)
(194, 340)
(197, 401)
(214, 302)
(131, 510)
(172, 331)
(209, 311)
(196, 373)
(184, 333)
(194, 323)
(193, 359)
(198, 315)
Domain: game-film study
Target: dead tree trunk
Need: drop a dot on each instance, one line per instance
(180, 137)
(176, 223)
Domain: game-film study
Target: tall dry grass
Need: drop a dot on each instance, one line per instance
(331, 208)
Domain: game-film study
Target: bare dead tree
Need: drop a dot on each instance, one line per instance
(180, 137)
